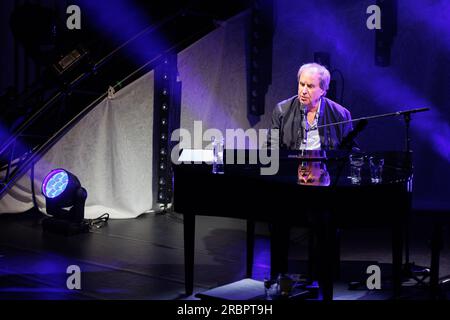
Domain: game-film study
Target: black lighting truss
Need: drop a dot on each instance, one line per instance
(166, 111)
(259, 53)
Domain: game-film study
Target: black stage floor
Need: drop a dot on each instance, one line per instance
(142, 259)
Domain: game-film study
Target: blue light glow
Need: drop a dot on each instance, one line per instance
(55, 183)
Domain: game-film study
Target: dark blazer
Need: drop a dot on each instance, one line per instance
(287, 118)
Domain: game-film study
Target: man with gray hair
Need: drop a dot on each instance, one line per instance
(299, 118)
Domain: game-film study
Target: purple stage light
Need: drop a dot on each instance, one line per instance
(55, 183)
(65, 199)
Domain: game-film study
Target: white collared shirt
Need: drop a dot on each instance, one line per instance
(312, 135)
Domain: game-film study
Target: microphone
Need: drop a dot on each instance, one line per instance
(303, 124)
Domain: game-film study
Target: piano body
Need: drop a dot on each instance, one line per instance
(311, 189)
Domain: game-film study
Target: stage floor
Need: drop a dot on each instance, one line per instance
(142, 259)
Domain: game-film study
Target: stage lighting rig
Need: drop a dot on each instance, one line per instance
(65, 199)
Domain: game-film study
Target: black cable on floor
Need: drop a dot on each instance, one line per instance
(99, 222)
(33, 194)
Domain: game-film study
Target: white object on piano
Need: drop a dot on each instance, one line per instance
(196, 155)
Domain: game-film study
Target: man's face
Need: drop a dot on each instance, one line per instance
(309, 91)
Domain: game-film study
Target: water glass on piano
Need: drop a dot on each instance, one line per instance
(217, 155)
(376, 169)
(356, 163)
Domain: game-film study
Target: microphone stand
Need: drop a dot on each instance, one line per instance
(347, 141)
(347, 145)
(405, 113)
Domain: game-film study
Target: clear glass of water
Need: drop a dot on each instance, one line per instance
(376, 169)
(218, 145)
(356, 163)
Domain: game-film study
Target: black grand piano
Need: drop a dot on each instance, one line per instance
(311, 189)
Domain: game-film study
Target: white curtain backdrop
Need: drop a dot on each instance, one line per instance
(110, 151)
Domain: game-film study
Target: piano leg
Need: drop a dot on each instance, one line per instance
(279, 249)
(250, 246)
(436, 247)
(397, 255)
(312, 254)
(326, 237)
(189, 243)
(337, 254)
